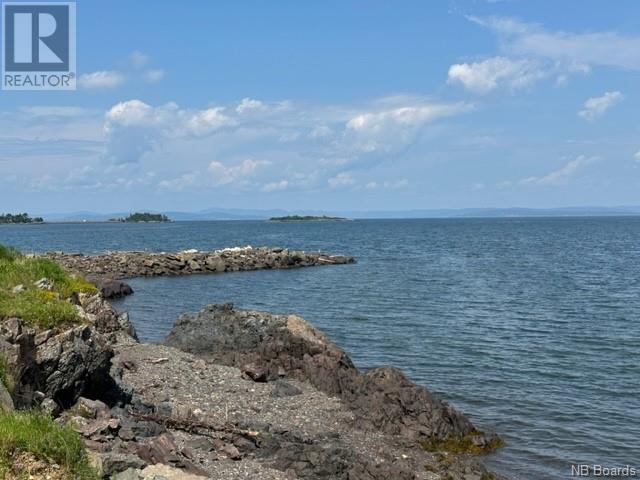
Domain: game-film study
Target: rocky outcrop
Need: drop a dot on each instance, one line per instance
(54, 367)
(269, 347)
(118, 265)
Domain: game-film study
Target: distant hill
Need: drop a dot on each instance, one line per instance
(249, 214)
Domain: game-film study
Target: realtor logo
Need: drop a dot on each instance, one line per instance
(39, 46)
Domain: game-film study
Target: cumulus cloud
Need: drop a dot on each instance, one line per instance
(561, 176)
(248, 105)
(134, 127)
(496, 72)
(103, 79)
(389, 128)
(226, 174)
(637, 156)
(593, 48)
(596, 106)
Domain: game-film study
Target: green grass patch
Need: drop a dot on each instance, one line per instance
(42, 308)
(37, 434)
(462, 444)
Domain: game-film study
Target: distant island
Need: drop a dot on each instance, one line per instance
(19, 218)
(307, 218)
(142, 217)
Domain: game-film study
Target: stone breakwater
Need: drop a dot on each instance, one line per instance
(119, 265)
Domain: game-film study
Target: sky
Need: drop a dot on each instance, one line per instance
(333, 105)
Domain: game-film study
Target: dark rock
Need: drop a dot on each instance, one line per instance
(110, 288)
(274, 344)
(254, 372)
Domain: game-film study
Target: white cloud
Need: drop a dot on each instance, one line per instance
(103, 79)
(153, 75)
(224, 174)
(637, 156)
(134, 127)
(342, 179)
(593, 48)
(495, 72)
(394, 123)
(561, 176)
(275, 186)
(248, 105)
(408, 116)
(596, 106)
(207, 121)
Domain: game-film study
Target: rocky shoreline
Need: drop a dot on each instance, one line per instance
(233, 394)
(121, 265)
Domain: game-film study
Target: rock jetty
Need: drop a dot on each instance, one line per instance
(119, 265)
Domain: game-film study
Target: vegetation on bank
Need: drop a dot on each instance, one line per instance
(462, 445)
(38, 290)
(31, 435)
(19, 218)
(143, 217)
(306, 218)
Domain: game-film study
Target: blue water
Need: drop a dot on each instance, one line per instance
(531, 326)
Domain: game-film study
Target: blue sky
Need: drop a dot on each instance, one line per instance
(338, 105)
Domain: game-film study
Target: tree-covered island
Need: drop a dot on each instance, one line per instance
(142, 217)
(19, 218)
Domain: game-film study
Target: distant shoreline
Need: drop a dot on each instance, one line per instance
(307, 218)
(339, 219)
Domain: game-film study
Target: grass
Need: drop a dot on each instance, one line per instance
(461, 445)
(37, 434)
(41, 308)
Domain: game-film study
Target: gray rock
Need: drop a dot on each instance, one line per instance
(6, 402)
(128, 474)
(113, 463)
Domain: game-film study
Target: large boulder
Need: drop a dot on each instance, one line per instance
(269, 346)
(109, 287)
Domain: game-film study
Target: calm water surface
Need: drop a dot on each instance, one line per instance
(531, 326)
